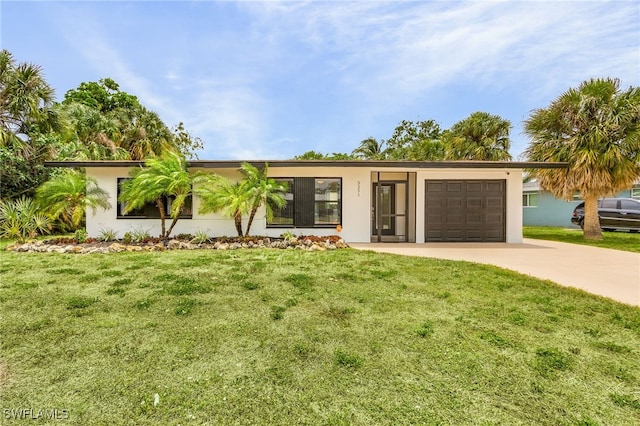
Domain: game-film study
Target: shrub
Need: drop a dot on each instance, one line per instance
(21, 219)
(200, 238)
(107, 234)
(81, 236)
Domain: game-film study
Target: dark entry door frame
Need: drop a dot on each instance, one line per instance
(392, 219)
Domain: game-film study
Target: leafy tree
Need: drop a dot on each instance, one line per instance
(415, 141)
(164, 176)
(370, 149)
(481, 136)
(314, 155)
(21, 219)
(218, 193)
(263, 190)
(596, 129)
(112, 124)
(26, 112)
(66, 197)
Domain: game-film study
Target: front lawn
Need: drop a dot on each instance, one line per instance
(290, 337)
(614, 240)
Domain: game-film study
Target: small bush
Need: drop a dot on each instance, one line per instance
(81, 236)
(127, 238)
(107, 234)
(140, 235)
(200, 238)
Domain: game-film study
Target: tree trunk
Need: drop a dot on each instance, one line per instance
(591, 224)
(173, 223)
(237, 219)
(251, 216)
(160, 205)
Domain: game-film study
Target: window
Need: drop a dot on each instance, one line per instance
(150, 210)
(635, 192)
(311, 203)
(284, 216)
(530, 199)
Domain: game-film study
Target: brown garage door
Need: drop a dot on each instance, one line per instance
(465, 210)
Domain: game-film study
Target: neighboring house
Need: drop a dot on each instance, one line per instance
(372, 201)
(541, 208)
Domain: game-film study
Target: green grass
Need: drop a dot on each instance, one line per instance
(283, 337)
(613, 240)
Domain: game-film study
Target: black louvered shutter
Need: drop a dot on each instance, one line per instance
(304, 196)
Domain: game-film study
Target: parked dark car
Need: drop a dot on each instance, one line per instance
(621, 214)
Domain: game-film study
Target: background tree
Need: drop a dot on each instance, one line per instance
(415, 141)
(262, 190)
(113, 124)
(481, 136)
(66, 197)
(315, 155)
(596, 129)
(26, 113)
(219, 194)
(370, 149)
(165, 176)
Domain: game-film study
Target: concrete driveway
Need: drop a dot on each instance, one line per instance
(610, 273)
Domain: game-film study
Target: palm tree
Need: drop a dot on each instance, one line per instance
(67, 196)
(218, 193)
(481, 136)
(26, 101)
(596, 129)
(263, 190)
(370, 149)
(166, 176)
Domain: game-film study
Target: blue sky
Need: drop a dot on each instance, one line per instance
(269, 80)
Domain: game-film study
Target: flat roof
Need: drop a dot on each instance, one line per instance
(226, 164)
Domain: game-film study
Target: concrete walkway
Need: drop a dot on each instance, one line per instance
(611, 273)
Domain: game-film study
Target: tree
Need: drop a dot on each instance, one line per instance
(415, 141)
(314, 155)
(370, 149)
(66, 197)
(26, 112)
(481, 136)
(110, 123)
(595, 128)
(218, 193)
(263, 190)
(164, 176)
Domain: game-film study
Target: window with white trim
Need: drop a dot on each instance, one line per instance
(530, 199)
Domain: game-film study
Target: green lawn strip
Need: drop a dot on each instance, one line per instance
(626, 241)
(289, 337)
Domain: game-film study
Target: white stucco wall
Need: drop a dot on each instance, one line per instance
(356, 203)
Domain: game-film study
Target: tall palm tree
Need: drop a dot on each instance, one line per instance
(263, 190)
(218, 193)
(67, 196)
(481, 136)
(596, 129)
(165, 176)
(370, 149)
(26, 101)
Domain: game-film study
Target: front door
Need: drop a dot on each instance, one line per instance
(384, 209)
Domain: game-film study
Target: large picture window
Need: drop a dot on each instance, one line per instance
(150, 210)
(311, 203)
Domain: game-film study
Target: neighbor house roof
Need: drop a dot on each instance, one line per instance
(221, 164)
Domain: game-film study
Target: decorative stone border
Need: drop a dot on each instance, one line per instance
(308, 244)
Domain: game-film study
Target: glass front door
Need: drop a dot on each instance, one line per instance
(384, 208)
